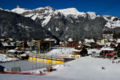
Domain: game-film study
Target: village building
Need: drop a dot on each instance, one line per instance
(88, 41)
(118, 41)
(7, 44)
(44, 46)
(107, 35)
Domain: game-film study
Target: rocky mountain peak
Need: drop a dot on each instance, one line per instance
(19, 10)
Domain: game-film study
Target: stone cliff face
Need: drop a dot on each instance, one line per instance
(19, 27)
(76, 28)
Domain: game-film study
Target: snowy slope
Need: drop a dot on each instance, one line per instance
(19, 10)
(71, 11)
(46, 13)
(61, 52)
(88, 68)
(85, 68)
(41, 13)
(92, 15)
(112, 22)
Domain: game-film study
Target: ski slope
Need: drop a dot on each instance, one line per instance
(85, 68)
(88, 68)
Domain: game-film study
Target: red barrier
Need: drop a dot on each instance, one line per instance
(22, 73)
(112, 54)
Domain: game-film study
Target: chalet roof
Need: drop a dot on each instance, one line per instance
(107, 32)
(107, 48)
(118, 40)
(49, 39)
(89, 40)
(6, 44)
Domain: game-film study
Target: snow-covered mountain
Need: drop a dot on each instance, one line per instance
(44, 14)
(48, 12)
(19, 10)
(21, 28)
(71, 23)
(112, 22)
(71, 11)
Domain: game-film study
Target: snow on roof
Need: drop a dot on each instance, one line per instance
(99, 43)
(89, 40)
(118, 40)
(5, 44)
(11, 39)
(107, 48)
(108, 43)
(111, 39)
(12, 50)
(70, 39)
(49, 39)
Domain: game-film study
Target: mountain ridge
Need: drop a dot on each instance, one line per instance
(21, 28)
(70, 23)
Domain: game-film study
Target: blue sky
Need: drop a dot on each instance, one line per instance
(102, 7)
